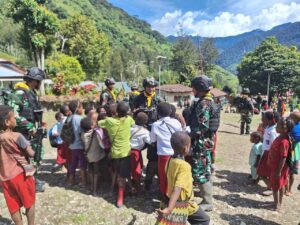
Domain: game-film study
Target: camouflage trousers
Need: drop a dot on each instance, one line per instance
(201, 166)
(246, 119)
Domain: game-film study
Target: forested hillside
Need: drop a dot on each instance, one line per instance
(233, 48)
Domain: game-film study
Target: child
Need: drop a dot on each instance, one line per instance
(140, 136)
(255, 154)
(94, 151)
(295, 134)
(18, 189)
(118, 129)
(269, 120)
(180, 181)
(55, 132)
(66, 152)
(76, 147)
(161, 133)
(277, 160)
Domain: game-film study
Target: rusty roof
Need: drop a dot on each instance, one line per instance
(175, 88)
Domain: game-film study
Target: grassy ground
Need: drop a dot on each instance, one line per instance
(235, 201)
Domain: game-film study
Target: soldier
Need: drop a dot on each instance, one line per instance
(134, 93)
(202, 138)
(108, 96)
(147, 102)
(28, 113)
(246, 110)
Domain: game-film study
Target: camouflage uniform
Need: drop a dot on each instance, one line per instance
(107, 98)
(26, 120)
(204, 142)
(246, 112)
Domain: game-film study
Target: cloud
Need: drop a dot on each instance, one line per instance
(226, 23)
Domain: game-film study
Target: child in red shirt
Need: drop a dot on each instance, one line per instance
(278, 159)
(18, 188)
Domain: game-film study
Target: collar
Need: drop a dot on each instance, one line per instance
(22, 85)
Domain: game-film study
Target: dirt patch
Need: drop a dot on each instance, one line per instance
(235, 201)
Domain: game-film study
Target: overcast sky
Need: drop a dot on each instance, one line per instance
(212, 18)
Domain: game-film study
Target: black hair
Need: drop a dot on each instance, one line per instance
(64, 109)
(122, 109)
(86, 124)
(88, 110)
(288, 123)
(73, 105)
(173, 111)
(271, 116)
(58, 115)
(98, 110)
(179, 141)
(163, 109)
(141, 119)
(257, 135)
(4, 115)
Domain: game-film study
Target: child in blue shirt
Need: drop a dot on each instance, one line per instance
(255, 154)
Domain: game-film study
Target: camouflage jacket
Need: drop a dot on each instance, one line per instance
(199, 124)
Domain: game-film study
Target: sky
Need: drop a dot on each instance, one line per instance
(212, 18)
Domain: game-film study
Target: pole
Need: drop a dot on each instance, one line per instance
(268, 88)
(159, 69)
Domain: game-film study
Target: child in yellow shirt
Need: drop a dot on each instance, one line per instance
(180, 182)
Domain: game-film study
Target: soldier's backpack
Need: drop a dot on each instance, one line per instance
(214, 120)
(67, 131)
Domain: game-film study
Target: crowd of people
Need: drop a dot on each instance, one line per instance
(108, 140)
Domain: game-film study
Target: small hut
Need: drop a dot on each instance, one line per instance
(173, 92)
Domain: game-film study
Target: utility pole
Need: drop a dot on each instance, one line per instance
(269, 71)
(159, 57)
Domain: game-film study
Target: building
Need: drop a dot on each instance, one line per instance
(173, 92)
(10, 73)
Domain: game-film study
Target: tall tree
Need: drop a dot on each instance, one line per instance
(86, 44)
(184, 60)
(208, 53)
(39, 27)
(255, 67)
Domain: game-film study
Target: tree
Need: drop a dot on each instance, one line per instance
(86, 44)
(39, 27)
(184, 60)
(253, 70)
(68, 66)
(208, 53)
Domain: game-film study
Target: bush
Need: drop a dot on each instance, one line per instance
(66, 65)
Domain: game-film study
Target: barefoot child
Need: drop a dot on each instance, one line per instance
(277, 160)
(18, 189)
(140, 136)
(76, 147)
(269, 120)
(180, 185)
(94, 151)
(118, 129)
(255, 154)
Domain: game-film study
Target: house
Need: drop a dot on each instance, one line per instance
(10, 72)
(173, 92)
(218, 93)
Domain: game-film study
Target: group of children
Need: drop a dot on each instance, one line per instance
(275, 153)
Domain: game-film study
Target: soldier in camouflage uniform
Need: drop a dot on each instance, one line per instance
(108, 96)
(246, 111)
(202, 139)
(26, 116)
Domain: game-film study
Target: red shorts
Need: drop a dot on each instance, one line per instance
(162, 162)
(276, 183)
(263, 169)
(66, 153)
(136, 161)
(18, 192)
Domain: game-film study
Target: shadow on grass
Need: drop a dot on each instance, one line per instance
(237, 182)
(144, 202)
(247, 219)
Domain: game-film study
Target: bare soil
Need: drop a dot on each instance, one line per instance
(235, 201)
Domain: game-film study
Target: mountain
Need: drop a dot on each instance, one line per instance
(121, 28)
(233, 48)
